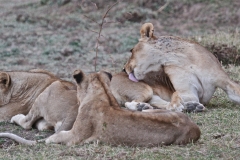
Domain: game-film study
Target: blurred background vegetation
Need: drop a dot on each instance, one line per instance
(63, 33)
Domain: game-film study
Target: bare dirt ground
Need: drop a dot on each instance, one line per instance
(61, 36)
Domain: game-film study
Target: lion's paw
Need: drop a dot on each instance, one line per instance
(143, 106)
(194, 107)
(17, 118)
(137, 106)
(175, 107)
(52, 139)
(49, 140)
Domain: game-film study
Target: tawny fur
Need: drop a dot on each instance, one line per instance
(125, 91)
(146, 31)
(37, 95)
(101, 118)
(192, 70)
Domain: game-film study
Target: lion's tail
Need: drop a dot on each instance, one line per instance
(18, 139)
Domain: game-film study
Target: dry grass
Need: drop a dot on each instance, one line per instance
(224, 45)
(58, 39)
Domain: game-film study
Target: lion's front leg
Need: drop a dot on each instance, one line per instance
(158, 102)
(81, 130)
(18, 119)
(69, 138)
(63, 137)
(175, 104)
(25, 122)
(188, 87)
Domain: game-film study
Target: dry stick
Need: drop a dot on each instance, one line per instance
(163, 7)
(91, 19)
(99, 34)
(95, 32)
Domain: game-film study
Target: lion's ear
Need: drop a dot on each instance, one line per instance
(109, 75)
(146, 31)
(5, 80)
(78, 75)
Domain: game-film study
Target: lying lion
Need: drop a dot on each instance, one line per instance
(100, 118)
(46, 100)
(191, 69)
(38, 91)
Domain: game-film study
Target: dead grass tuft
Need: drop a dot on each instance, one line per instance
(225, 46)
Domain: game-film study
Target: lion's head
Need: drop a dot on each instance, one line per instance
(93, 84)
(142, 60)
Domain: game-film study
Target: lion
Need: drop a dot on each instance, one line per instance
(141, 96)
(37, 97)
(101, 119)
(192, 70)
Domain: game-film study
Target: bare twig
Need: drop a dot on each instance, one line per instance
(101, 25)
(95, 32)
(99, 33)
(91, 19)
(163, 7)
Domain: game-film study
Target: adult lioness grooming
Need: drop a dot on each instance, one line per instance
(101, 118)
(193, 71)
(41, 96)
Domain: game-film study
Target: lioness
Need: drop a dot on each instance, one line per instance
(192, 70)
(39, 94)
(100, 118)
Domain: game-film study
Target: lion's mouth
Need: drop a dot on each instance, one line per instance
(132, 77)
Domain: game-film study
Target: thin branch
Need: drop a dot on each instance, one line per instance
(95, 32)
(99, 34)
(163, 7)
(91, 19)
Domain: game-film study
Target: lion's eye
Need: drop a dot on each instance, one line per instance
(131, 50)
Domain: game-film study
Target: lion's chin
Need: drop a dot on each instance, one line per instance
(132, 77)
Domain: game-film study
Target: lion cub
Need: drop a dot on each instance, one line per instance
(100, 118)
(37, 97)
(143, 96)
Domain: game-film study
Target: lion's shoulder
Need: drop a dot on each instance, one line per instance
(172, 42)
